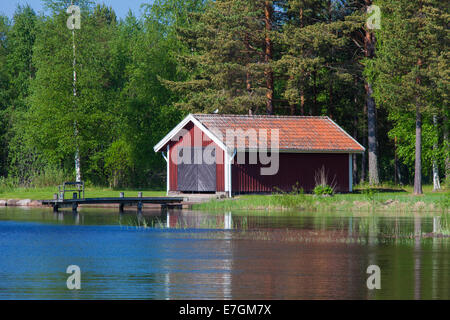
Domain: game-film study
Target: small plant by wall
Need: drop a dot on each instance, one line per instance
(323, 190)
(324, 186)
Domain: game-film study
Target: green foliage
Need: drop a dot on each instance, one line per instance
(370, 193)
(404, 130)
(444, 203)
(119, 163)
(323, 190)
(406, 77)
(49, 177)
(136, 78)
(225, 61)
(294, 199)
(4, 92)
(8, 184)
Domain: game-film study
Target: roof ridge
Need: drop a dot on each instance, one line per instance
(255, 116)
(308, 135)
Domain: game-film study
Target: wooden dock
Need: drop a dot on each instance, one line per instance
(121, 201)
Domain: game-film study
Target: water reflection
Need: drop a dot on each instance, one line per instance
(436, 224)
(194, 255)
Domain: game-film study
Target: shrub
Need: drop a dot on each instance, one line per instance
(322, 190)
(8, 184)
(119, 163)
(323, 185)
(370, 193)
(49, 177)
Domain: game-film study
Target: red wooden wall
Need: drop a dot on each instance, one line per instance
(194, 137)
(294, 167)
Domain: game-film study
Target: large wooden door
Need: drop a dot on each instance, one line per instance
(207, 175)
(196, 176)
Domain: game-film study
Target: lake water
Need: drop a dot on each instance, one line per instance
(194, 255)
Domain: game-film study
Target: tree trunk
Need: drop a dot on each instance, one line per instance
(302, 91)
(363, 158)
(369, 51)
(314, 108)
(248, 83)
(372, 138)
(302, 101)
(268, 56)
(330, 80)
(447, 151)
(292, 103)
(330, 100)
(418, 160)
(355, 131)
(436, 182)
(397, 176)
(75, 124)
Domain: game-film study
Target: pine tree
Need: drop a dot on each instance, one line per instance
(303, 46)
(228, 59)
(410, 46)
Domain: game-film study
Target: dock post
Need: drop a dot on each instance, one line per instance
(55, 208)
(74, 207)
(139, 205)
(121, 205)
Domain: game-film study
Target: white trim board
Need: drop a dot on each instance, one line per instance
(350, 172)
(181, 125)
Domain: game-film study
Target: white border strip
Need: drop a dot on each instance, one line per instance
(350, 172)
(168, 169)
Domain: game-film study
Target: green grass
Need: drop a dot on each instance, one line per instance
(381, 199)
(90, 192)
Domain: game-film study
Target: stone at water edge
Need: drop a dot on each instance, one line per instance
(2, 203)
(11, 202)
(35, 203)
(23, 203)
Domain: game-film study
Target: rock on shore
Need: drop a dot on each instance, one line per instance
(20, 203)
(23, 203)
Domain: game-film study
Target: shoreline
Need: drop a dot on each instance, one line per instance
(28, 203)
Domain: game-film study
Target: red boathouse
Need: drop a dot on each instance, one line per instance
(256, 154)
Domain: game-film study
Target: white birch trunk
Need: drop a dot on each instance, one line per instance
(75, 124)
(436, 183)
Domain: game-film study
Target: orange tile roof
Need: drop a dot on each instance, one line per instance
(314, 134)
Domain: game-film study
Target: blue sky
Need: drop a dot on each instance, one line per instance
(121, 7)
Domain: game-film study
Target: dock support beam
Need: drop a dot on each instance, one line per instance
(121, 205)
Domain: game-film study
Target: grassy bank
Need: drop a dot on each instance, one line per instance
(90, 192)
(377, 199)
